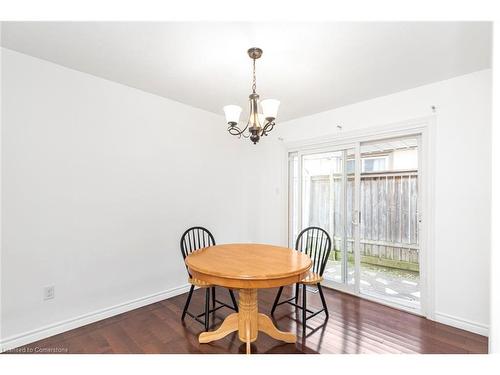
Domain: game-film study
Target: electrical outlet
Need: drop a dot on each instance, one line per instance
(48, 292)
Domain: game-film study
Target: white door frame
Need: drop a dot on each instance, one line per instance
(424, 126)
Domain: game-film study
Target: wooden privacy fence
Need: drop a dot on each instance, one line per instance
(389, 216)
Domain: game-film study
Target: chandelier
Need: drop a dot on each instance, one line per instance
(259, 124)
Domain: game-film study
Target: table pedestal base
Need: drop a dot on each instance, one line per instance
(248, 322)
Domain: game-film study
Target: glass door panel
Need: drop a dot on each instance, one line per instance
(321, 203)
(389, 247)
(327, 201)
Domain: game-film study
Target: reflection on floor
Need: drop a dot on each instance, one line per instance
(392, 284)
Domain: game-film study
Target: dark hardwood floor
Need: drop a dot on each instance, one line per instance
(355, 326)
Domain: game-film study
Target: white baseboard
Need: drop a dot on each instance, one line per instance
(479, 328)
(66, 325)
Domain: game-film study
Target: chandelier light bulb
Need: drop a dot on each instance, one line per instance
(232, 113)
(270, 108)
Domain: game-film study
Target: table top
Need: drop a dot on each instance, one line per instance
(248, 265)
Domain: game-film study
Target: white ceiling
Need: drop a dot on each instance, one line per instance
(310, 67)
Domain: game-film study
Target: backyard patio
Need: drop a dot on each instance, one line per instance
(395, 285)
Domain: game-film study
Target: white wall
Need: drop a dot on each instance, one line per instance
(462, 183)
(99, 182)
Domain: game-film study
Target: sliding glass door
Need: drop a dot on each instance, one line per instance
(366, 196)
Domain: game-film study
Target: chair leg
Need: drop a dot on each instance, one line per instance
(213, 298)
(234, 300)
(323, 301)
(187, 302)
(276, 300)
(297, 289)
(207, 307)
(304, 311)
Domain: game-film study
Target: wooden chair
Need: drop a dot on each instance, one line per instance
(316, 243)
(193, 239)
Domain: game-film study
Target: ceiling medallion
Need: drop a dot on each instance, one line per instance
(259, 124)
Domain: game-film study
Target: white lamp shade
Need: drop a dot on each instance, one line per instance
(232, 113)
(262, 119)
(270, 108)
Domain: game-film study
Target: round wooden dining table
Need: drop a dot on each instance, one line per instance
(248, 267)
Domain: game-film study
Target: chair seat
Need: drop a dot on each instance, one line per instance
(199, 283)
(311, 278)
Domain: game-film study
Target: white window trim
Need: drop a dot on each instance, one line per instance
(426, 127)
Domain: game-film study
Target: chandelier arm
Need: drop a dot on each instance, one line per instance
(246, 127)
(268, 127)
(234, 130)
(243, 132)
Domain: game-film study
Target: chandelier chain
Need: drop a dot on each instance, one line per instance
(254, 85)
